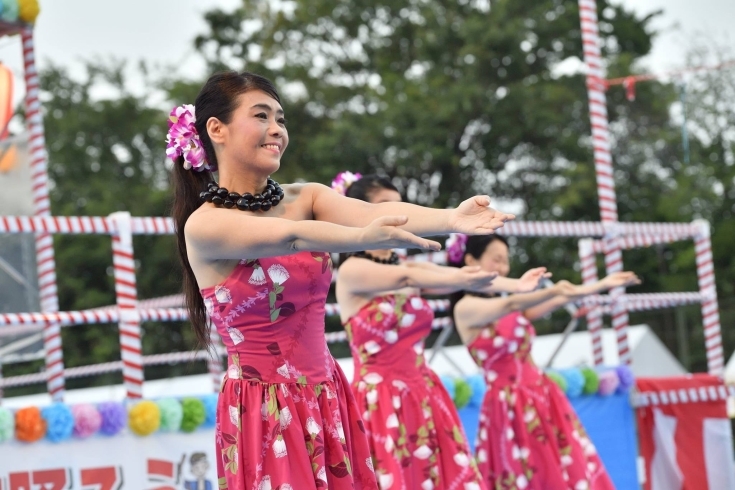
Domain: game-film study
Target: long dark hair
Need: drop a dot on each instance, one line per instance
(218, 98)
(475, 246)
(363, 190)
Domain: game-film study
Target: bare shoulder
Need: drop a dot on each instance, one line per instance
(463, 303)
(197, 224)
(310, 189)
(352, 268)
(301, 195)
(464, 308)
(295, 190)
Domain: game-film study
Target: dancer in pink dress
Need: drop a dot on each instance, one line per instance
(529, 436)
(255, 262)
(415, 435)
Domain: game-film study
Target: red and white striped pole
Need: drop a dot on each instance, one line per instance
(708, 290)
(588, 263)
(44, 241)
(603, 163)
(127, 304)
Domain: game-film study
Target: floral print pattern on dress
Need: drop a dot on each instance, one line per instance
(286, 418)
(529, 436)
(415, 434)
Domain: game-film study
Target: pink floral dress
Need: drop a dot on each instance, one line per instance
(286, 418)
(529, 436)
(415, 434)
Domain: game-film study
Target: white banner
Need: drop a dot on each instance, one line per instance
(160, 461)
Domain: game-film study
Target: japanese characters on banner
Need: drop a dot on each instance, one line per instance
(175, 461)
(685, 434)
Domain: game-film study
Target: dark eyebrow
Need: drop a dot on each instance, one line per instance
(266, 107)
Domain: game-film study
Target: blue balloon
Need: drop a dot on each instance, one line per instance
(477, 383)
(575, 381)
(210, 408)
(59, 422)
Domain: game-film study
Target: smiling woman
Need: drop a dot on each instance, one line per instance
(256, 260)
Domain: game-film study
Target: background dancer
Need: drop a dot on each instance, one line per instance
(529, 436)
(415, 434)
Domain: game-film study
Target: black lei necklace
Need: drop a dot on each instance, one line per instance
(392, 260)
(219, 196)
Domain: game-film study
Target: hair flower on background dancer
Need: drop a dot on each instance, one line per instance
(272, 323)
(344, 180)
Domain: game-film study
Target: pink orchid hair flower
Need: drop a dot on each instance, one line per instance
(456, 246)
(182, 139)
(344, 180)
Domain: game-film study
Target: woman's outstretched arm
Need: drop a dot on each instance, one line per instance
(472, 217)
(359, 276)
(474, 312)
(617, 279)
(217, 235)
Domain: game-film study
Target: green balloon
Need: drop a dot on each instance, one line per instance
(9, 10)
(462, 393)
(194, 414)
(558, 379)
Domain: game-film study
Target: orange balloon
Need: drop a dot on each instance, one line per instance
(8, 158)
(29, 425)
(6, 99)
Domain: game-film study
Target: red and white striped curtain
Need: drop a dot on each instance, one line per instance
(685, 434)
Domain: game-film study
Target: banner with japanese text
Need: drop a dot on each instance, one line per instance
(175, 461)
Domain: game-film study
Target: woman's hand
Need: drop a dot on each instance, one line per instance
(384, 233)
(569, 290)
(619, 279)
(474, 278)
(475, 217)
(531, 279)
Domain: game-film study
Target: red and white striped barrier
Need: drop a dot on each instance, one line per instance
(588, 263)
(643, 298)
(691, 395)
(603, 162)
(131, 349)
(638, 241)
(42, 208)
(641, 301)
(83, 225)
(584, 229)
(108, 367)
(66, 318)
(98, 225)
(710, 308)
(152, 309)
(81, 371)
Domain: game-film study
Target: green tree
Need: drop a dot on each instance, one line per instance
(456, 98)
(106, 154)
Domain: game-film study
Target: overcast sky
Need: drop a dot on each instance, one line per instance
(161, 31)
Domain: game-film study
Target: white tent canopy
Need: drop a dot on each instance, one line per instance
(730, 370)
